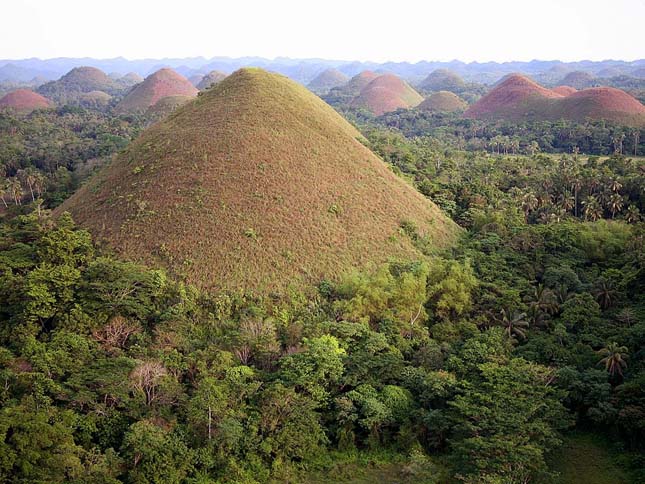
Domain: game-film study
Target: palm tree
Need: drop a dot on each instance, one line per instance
(15, 188)
(529, 203)
(4, 189)
(566, 201)
(632, 215)
(514, 324)
(614, 185)
(615, 204)
(613, 357)
(593, 211)
(605, 292)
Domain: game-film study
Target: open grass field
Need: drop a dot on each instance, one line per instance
(587, 459)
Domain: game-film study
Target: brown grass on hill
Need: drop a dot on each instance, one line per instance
(564, 90)
(519, 98)
(442, 80)
(165, 106)
(210, 79)
(443, 102)
(163, 83)
(24, 101)
(255, 185)
(357, 83)
(387, 93)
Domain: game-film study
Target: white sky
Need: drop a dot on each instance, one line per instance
(397, 30)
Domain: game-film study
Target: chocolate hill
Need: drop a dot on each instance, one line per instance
(564, 90)
(442, 80)
(257, 184)
(78, 81)
(24, 101)
(578, 79)
(443, 102)
(387, 93)
(326, 80)
(210, 79)
(164, 107)
(163, 83)
(519, 98)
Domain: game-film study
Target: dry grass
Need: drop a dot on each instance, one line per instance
(442, 80)
(387, 93)
(444, 102)
(163, 83)
(256, 184)
(327, 79)
(519, 98)
(24, 101)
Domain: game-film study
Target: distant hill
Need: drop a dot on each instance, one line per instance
(444, 102)
(24, 101)
(95, 99)
(443, 80)
(387, 93)
(326, 80)
(210, 79)
(78, 81)
(165, 82)
(129, 80)
(519, 98)
(578, 79)
(165, 106)
(256, 184)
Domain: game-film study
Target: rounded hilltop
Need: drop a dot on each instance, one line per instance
(442, 80)
(326, 80)
(210, 79)
(162, 83)
(24, 101)
(256, 185)
(387, 93)
(443, 102)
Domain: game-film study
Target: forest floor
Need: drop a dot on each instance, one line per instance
(587, 459)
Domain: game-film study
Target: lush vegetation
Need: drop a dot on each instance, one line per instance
(474, 365)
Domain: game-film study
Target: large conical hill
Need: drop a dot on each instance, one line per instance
(256, 185)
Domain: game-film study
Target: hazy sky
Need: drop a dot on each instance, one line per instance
(399, 30)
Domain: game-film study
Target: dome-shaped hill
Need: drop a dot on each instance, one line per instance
(24, 101)
(357, 83)
(255, 185)
(129, 80)
(564, 90)
(442, 80)
(165, 82)
(210, 79)
(577, 79)
(443, 102)
(387, 93)
(77, 81)
(326, 80)
(513, 98)
(601, 103)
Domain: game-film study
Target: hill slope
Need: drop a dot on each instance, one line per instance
(519, 98)
(255, 184)
(78, 81)
(442, 80)
(443, 102)
(24, 101)
(160, 84)
(387, 93)
(564, 90)
(210, 79)
(326, 80)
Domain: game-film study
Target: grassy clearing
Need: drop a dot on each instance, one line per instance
(587, 459)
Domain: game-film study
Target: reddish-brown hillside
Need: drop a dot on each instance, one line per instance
(564, 90)
(513, 98)
(602, 103)
(387, 93)
(163, 83)
(257, 184)
(24, 101)
(443, 102)
(357, 83)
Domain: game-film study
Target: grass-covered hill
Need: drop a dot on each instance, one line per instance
(387, 93)
(256, 184)
(162, 83)
(24, 101)
(78, 81)
(326, 80)
(210, 79)
(442, 80)
(443, 102)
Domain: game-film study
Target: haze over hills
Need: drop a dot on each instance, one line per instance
(210, 79)
(257, 183)
(326, 80)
